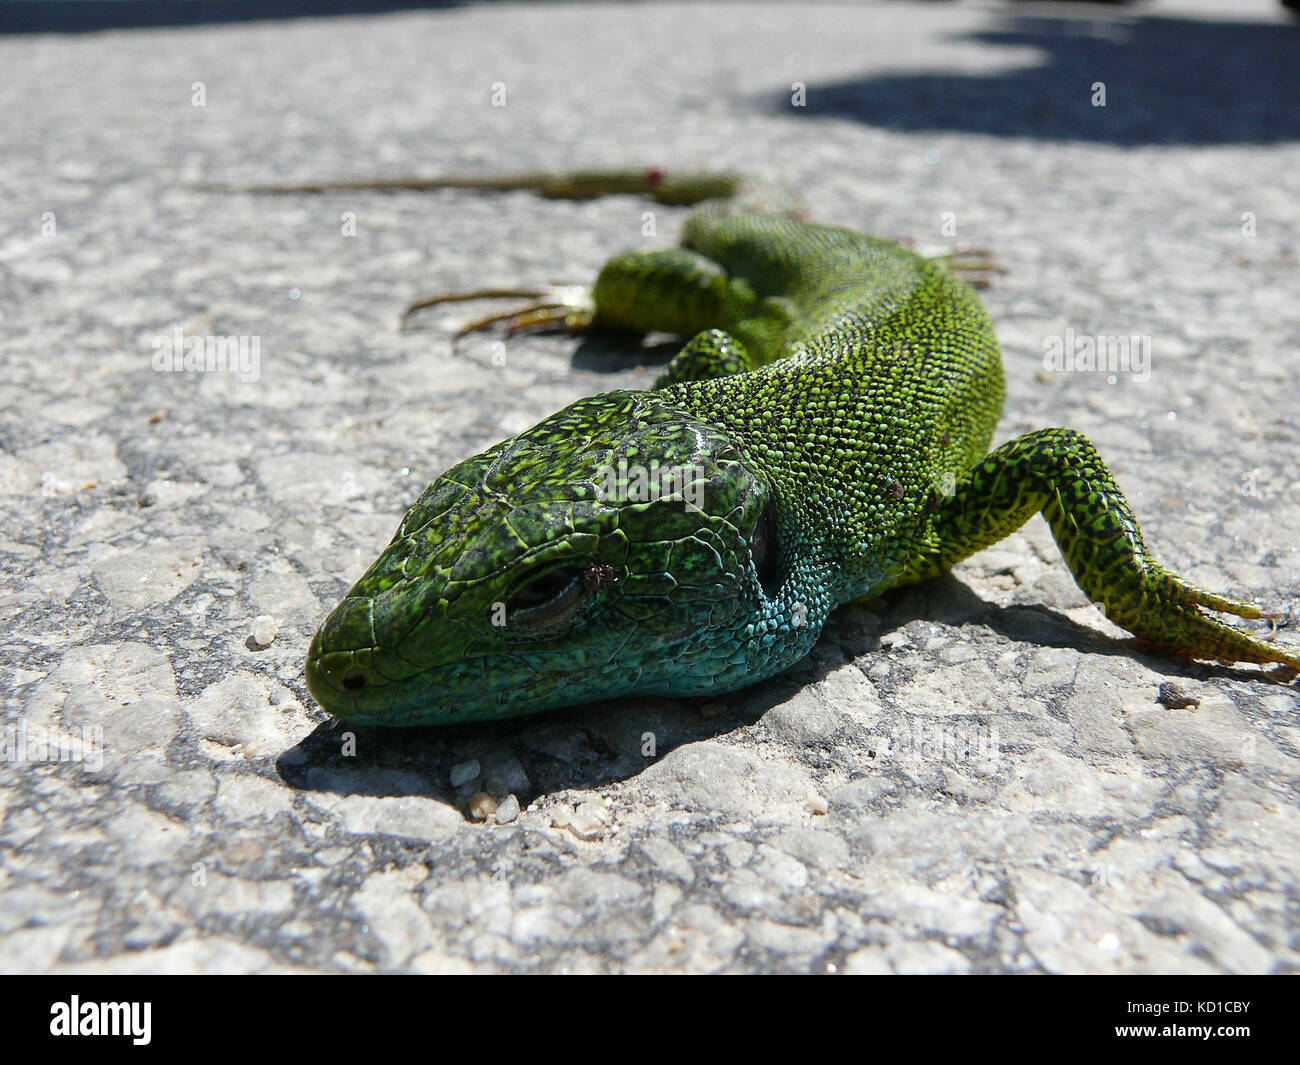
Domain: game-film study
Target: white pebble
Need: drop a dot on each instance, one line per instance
(588, 821)
(508, 810)
(264, 630)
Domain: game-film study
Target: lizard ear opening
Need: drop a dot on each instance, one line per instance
(764, 549)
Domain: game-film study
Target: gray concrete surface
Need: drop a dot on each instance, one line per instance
(972, 775)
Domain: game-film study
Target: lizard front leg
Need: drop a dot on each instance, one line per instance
(1058, 472)
(713, 353)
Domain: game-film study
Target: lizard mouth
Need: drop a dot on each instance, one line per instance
(333, 688)
(349, 692)
(335, 680)
(349, 686)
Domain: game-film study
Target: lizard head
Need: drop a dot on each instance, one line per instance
(620, 546)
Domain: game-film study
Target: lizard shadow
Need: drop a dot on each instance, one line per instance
(608, 352)
(600, 743)
(948, 601)
(578, 748)
(1166, 80)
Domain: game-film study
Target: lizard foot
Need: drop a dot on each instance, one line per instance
(564, 307)
(975, 266)
(1172, 616)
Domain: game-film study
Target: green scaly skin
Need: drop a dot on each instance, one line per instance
(828, 430)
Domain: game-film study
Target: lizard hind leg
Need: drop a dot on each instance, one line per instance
(1058, 472)
(566, 307)
(975, 266)
(670, 290)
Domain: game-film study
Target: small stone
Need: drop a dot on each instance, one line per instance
(508, 810)
(503, 774)
(263, 632)
(1174, 697)
(464, 772)
(588, 820)
(481, 804)
(818, 804)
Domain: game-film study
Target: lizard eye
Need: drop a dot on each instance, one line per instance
(547, 599)
(764, 549)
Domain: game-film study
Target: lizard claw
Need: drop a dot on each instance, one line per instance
(1180, 624)
(973, 265)
(567, 307)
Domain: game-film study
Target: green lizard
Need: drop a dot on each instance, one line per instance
(822, 438)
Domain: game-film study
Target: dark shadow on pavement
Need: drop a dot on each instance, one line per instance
(90, 16)
(1167, 81)
(610, 352)
(600, 743)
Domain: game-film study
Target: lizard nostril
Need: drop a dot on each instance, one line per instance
(355, 680)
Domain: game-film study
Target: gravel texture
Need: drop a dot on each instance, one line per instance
(969, 776)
